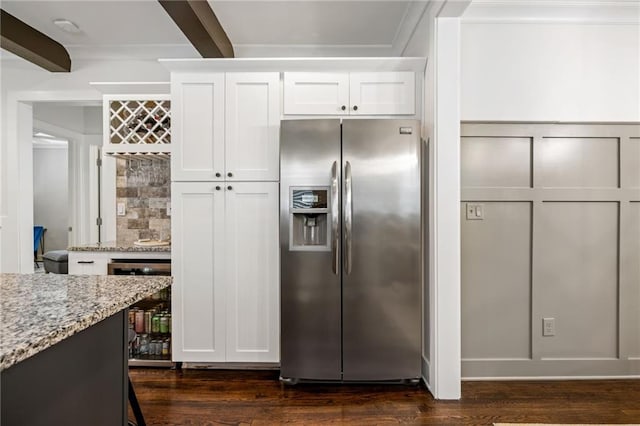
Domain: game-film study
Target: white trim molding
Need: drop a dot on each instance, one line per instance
(553, 12)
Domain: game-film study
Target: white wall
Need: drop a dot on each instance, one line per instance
(50, 195)
(575, 72)
(21, 84)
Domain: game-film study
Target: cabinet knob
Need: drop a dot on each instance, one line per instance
(230, 174)
(229, 187)
(218, 175)
(343, 107)
(355, 107)
(217, 188)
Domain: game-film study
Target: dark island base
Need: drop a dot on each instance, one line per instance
(81, 380)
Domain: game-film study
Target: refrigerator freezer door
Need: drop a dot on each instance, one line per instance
(310, 280)
(382, 290)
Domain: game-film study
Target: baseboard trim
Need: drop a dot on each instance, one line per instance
(425, 375)
(540, 378)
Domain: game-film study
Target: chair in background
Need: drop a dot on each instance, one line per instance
(38, 243)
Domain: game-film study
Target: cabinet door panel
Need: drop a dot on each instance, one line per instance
(316, 93)
(382, 93)
(252, 126)
(198, 303)
(197, 126)
(252, 278)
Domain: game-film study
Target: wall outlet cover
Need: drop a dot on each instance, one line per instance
(548, 326)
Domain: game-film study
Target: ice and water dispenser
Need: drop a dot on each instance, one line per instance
(309, 225)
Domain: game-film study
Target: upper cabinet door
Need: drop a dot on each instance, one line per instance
(252, 146)
(316, 93)
(197, 126)
(382, 93)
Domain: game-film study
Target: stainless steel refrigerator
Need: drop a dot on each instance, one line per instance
(350, 242)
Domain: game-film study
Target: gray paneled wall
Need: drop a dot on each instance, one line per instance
(550, 224)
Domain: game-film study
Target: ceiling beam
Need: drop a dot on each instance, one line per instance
(32, 45)
(201, 26)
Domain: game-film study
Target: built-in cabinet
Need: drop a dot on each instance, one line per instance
(226, 126)
(225, 168)
(355, 93)
(225, 206)
(226, 269)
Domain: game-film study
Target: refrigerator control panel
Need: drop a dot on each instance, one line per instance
(309, 221)
(309, 198)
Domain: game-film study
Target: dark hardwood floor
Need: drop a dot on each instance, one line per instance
(211, 397)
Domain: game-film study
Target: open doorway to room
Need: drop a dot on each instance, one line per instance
(67, 137)
(50, 195)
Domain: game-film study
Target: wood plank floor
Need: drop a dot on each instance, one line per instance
(211, 397)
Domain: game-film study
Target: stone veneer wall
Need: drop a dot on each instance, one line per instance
(144, 186)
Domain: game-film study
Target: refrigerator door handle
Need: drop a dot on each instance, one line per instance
(348, 216)
(335, 239)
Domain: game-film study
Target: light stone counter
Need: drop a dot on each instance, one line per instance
(112, 246)
(37, 311)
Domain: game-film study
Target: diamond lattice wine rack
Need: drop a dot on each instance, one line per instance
(137, 126)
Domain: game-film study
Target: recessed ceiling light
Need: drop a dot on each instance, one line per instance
(66, 25)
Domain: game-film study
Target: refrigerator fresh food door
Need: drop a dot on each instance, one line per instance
(381, 250)
(309, 250)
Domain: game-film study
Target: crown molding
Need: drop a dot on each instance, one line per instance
(333, 64)
(553, 12)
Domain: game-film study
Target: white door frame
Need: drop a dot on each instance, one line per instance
(17, 238)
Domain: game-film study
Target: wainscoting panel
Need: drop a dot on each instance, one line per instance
(496, 282)
(577, 279)
(496, 162)
(557, 237)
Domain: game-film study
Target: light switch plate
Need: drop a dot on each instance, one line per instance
(121, 209)
(168, 208)
(475, 211)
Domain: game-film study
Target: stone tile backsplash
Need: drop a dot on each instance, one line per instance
(144, 186)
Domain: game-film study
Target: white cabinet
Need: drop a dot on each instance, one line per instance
(88, 263)
(316, 93)
(197, 245)
(252, 110)
(382, 93)
(225, 126)
(197, 126)
(356, 93)
(226, 271)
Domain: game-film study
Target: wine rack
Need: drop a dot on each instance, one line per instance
(137, 126)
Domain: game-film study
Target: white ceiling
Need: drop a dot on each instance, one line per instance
(142, 29)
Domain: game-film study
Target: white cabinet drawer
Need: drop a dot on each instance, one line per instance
(88, 263)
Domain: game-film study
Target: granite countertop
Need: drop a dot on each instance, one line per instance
(37, 311)
(112, 246)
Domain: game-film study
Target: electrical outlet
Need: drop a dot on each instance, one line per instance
(168, 208)
(121, 209)
(475, 211)
(548, 326)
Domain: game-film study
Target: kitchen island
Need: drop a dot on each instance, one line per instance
(63, 347)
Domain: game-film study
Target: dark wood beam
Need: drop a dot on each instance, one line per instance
(32, 45)
(201, 26)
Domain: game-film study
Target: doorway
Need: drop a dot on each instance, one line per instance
(50, 195)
